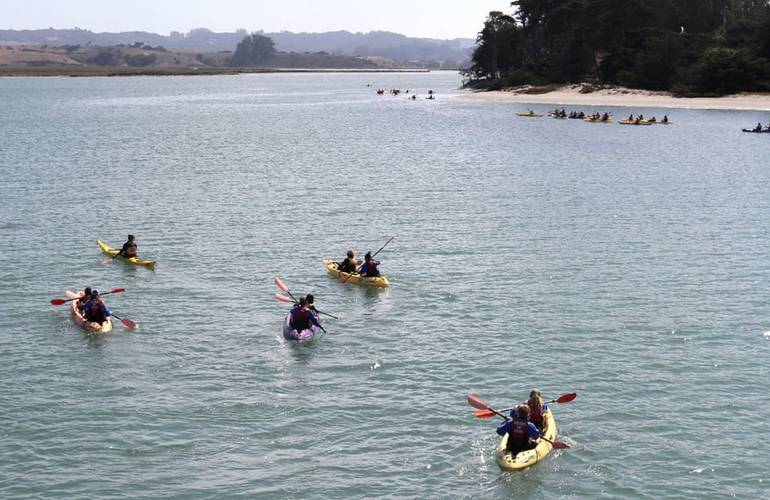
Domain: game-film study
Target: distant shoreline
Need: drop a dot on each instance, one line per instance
(44, 71)
(571, 95)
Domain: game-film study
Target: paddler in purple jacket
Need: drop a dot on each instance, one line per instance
(369, 267)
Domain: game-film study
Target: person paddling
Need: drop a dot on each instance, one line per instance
(94, 310)
(310, 299)
(129, 248)
(536, 408)
(369, 268)
(522, 434)
(302, 317)
(83, 298)
(349, 264)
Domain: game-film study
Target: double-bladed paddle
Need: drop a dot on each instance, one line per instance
(489, 413)
(476, 402)
(284, 298)
(280, 284)
(58, 302)
(126, 322)
(345, 279)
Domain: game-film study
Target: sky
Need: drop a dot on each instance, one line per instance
(418, 18)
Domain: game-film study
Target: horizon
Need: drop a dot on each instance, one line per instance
(455, 19)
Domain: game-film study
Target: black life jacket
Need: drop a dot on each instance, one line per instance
(300, 319)
(95, 312)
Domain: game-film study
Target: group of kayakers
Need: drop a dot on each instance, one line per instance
(640, 119)
(350, 265)
(526, 423)
(759, 129)
(413, 97)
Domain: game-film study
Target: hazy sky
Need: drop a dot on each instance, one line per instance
(424, 18)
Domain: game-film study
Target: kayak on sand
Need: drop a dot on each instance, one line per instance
(306, 335)
(507, 461)
(113, 252)
(333, 269)
(79, 320)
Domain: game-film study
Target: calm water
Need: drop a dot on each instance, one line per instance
(629, 264)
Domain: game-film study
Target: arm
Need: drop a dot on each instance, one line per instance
(532, 432)
(107, 312)
(504, 427)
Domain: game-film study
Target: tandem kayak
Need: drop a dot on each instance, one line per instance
(79, 320)
(379, 282)
(112, 252)
(749, 131)
(524, 459)
(290, 333)
(633, 122)
(591, 120)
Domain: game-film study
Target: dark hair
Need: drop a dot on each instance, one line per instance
(351, 254)
(522, 412)
(368, 256)
(309, 298)
(130, 236)
(302, 301)
(87, 291)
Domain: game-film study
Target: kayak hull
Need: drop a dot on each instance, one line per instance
(591, 120)
(529, 115)
(79, 320)
(378, 282)
(290, 333)
(629, 122)
(749, 131)
(113, 252)
(527, 458)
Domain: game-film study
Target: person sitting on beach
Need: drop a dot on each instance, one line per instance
(302, 317)
(536, 408)
(94, 310)
(348, 265)
(129, 248)
(522, 434)
(369, 268)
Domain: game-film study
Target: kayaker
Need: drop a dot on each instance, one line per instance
(310, 305)
(349, 264)
(522, 434)
(95, 310)
(665, 119)
(302, 316)
(605, 117)
(758, 128)
(129, 248)
(536, 408)
(83, 298)
(652, 120)
(369, 267)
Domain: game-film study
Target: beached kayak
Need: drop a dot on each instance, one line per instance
(304, 336)
(379, 282)
(633, 122)
(524, 459)
(79, 320)
(149, 264)
(531, 115)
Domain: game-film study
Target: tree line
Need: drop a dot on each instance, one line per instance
(690, 47)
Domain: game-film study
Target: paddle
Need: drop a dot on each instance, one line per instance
(280, 284)
(345, 279)
(566, 398)
(284, 298)
(126, 322)
(58, 302)
(476, 402)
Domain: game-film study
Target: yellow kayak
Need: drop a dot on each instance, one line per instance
(524, 459)
(149, 264)
(379, 282)
(633, 122)
(592, 120)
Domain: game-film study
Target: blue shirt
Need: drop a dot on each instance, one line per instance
(87, 304)
(532, 431)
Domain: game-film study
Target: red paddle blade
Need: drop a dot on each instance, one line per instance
(567, 398)
(345, 277)
(558, 445)
(58, 302)
(283, 298)
(475, 402)
(128, 323)
(117, 290)
(484, 414)
(280, 284)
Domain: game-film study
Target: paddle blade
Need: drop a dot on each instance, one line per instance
(58, 302)
(283, 298)
(484, 414)
(280, 284)
(117, 290)
(475, 402)
(128, 323)
(558, 445)
(567, 398)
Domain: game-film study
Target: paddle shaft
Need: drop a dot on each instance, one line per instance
(58, 302)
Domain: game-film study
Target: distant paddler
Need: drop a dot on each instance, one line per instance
(349, 264)
(302, 316)
(94, 309)
(369, 268)
(129, 249)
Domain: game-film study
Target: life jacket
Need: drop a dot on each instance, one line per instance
(95, 311)
(517, 436)
(347, 266)
(371, 269)
(536, 415)
(130, 250)
(300, 319)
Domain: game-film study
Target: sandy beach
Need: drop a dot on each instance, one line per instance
(572, 96)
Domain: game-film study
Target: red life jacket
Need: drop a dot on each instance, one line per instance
(300, 319)
(517, 436)
(371, 269)
(536, 415)
(95, 311)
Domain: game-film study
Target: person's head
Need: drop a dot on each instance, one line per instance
(368, 256)
(302, 302)
(130, 237)
(94, 293)
(309, 298)
(522, 412)
(87, 292)
(535, 399)
(351, 255)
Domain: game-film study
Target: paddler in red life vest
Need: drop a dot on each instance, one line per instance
(302, 316)
(536, 408)
(94, 310)
(369, 267)
(522, 434)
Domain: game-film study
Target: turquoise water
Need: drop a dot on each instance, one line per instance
(629, 264)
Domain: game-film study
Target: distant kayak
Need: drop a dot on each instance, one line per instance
(749, 131)
(592, 120)
(379, 282)
(531, 115)
(290, 333)
(633, 122)
(149, 264)
(507, 461)
(79, 320)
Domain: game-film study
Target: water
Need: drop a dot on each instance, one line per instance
(629, 264)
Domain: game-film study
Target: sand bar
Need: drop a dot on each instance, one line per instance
(571, 96)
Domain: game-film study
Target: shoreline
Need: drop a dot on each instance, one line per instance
(620, 97)
(204, 71)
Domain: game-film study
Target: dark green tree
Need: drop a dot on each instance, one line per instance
(253, 50)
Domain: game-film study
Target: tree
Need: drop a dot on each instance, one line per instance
(253, 50)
